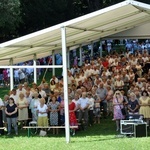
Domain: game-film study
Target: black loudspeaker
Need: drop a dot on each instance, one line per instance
(136, 128)
(140, 130)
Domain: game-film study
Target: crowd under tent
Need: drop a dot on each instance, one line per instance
(121, 20)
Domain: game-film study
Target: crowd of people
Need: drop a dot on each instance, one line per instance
(24, 74)
(99, 88)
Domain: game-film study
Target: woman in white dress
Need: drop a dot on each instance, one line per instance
(22, 105)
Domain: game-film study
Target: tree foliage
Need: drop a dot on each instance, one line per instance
(39, 14)
(10, 18)
(20, 17)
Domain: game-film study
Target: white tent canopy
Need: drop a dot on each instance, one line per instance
(127, 15)
(140, 32)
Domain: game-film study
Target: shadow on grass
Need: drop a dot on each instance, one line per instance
(103, 131)
(106, 128)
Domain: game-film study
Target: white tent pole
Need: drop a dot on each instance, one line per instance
(80, 55)
(53, 62)
(44, 66)
(35, 70)
(11, 75)
(64, 51)
(101, 49)
(91, 49)
(68, 60)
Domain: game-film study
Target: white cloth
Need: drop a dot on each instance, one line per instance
(1, 102)
(91, 102)
(42, 109)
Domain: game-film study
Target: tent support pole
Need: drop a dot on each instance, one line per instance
(91, 49)
(11, 75)
(53, 62)
(80, 49)
(64, 52)
(101, 49)
(35, 70)
(68, 54)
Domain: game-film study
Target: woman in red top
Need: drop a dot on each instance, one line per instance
(72, 116)
(105, 63)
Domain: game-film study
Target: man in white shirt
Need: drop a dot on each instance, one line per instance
(119, 84)
(42, 92)
(21, 76)
(91, 108)
(83, 103)
(70, 78)
(16, 76)
(20, 90)
(14, 95)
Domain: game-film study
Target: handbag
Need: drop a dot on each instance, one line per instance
(123, 111)
(42, 133)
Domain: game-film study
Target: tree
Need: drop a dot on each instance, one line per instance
(39, 14)
(20, 17)
(10, 18)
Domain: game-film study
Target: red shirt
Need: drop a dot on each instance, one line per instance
(105, 64)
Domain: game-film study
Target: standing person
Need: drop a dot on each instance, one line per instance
(33, 106)
(52, 85)
(109, 99)
(75, 100)
(20, 90)
(22, 104)
(109, 47)
(62, 111)
(72, 116)
(97, 109)
(5, 77)
(133, 105)
(42, 111)
(102, 94)
(54, 107)
(139, 69)
(83, 109)
(1, 116)
(29, 99)
(119, 84)
(41, 92)
(11, 115)
(144, 102)
(6, 100)
(91, 107)
(118, 104)
(14, 95)
(47, 91)
(21, 76)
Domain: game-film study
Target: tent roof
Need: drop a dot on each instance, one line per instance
(139, 32)
(119, 18)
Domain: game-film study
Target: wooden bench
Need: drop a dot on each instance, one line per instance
(2, 128)
(46, 127)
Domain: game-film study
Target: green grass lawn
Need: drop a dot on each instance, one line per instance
(98, 137)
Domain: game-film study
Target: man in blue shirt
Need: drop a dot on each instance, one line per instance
(83, 105)
(102, 94)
